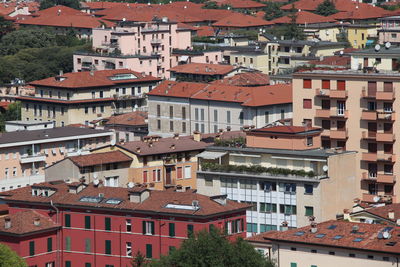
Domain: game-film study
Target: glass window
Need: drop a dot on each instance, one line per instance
(309, 211)
(308, 188)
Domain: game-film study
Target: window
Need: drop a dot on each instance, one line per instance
(183, 127)
(179, 173)
(107, 223)
(86, 110)
(307, 103)
(158, 124)
(308, 189)
(128, 247)
(196, 114)
(158, 110)
(67, 263)
(171, 229)
(326, 84)
(87, 222)
(190, 230)
(188, 172)
(215, 115)
(267, 208)
(307, 83)
(128, 224)
(309, 141)
(309, 211)
(241, 117)
(68, 243)
(228, 116)
(145, 176)
(282, 114)
(202, 114)
(184, 113)
(148, 227)
(171, 126)
(93, 94)
(49, 244)
(352, 255)
(293, 264)
(332, 253)
(149, 251)
(87, 245)
(266, 117)
(287, 209)
(171, 112)
(108, 247)
(67, 219)
(251, 227)
(101, 94)
(31, 248)
(341, 85)
(208, 181)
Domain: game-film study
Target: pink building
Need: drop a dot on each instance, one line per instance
(25, 154)
(152, 47)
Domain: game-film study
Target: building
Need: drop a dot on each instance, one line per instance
(13, 126)
(106, 226)
(239, 21)
(383, 58)
(25, 154)
(361, 35)
(200, 72)
(390, 29)
(112, 168)
(81, 97)
(357, 111)
(184, 107)
(283, 172)
(246, 78)
(374, 214)
(146, 46)
(332, 243)
(127, 127)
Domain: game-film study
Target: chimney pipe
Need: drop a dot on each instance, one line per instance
(284, 226)
(36, 221)
(196, 136)
(391, 214)
(314, 228)
(7, 222)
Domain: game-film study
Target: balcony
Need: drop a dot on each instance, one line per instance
(366, 94)
(127, 97)
(387, 116)
(379, 177)
(368, 115)
(369, 156)
(335, 134)
(328, 113)
(32, 158)
(373, 198)
(385, 137)
(155, 41)
(331, 93)
(389, 96)
(369, 135)
(323, 113)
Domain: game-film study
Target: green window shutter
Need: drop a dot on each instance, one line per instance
(293, 264)
(87, 264)
(171, 229)
(108, 247)
(67, 243)
(152, 228)
(149, 251)
(31, 248)
(67, 220)
(226, 227)
(87, 222)
(309, 211)
(190, 230)
(67, 264)
(144, 227)
(87, 245)
(107, 223)
(49, 244)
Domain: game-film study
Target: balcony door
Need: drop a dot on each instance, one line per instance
(341, 107)
(372, 127)
(168, 174)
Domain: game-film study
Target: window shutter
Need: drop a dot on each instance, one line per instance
(67, 264)
(307, 83)
(242, 225)
(108, 247)
(341, 85)
(32, 248)
(171, 229)
(226, 227)
(149, 251)
(307, 103)
(67, 220)
(87, 222)
(144, 227)
(107, 222)
(190, 230)
(49, 244)
(326, 84)
(152, 228)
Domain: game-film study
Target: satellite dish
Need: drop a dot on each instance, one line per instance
(376, 198)
(96, 181)
(123, 19)
(387, 45)
(325, 168)
(131, 184)
(386, 235)
(341, 53)
(377, 48)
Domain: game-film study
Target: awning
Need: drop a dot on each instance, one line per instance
(183, 58)
(211, 154)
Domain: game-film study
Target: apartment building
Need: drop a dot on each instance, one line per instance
(200, 72)
(112, 168)
(357, 111)
(374, 214)
(25, 154)
(184, 107)
(81, 97)
(98, 226)
(390, 30)
(130, 126)
(284, 173)
(145, 46)
(381, 58)
(332, 243)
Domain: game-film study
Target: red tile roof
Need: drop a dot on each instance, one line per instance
(136, 118)
(205, 31)
(286, 129)
(61, 16)
(86, 79)
(368, 234)
(22, 223)
(253, 78)
(384, 211)
(203, 69)
(103, 5)
(240, 3)
(238, 20)
(156, 202)
(334, 61)
(303, 17)
(246, 96)
(100, 158)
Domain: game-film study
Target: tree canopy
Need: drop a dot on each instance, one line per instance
(50, 3)
(213, 249)
(326, 8)
(273, 10)
(8, 257)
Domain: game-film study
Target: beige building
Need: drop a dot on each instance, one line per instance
(357, 111)
(81, 97)
(382, 58)
(375, 214)
(330, 244)
(283, 172)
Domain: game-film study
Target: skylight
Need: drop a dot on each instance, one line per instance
(299, 233)
(391, 243)
(320, 235)
(332, 226)
(181, 207)
(113, 201)
(125, 76)
(90, 199)
(337, 237)
(358, 239)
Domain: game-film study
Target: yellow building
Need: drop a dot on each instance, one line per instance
(360, 36)
(81, 97)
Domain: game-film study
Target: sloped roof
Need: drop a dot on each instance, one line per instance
(287, 129)
(100, 158)
(135, 118)
(303, 17)
(99, 78)
(203, 69)
(253, 78)
(205, 31)
(383, 211)
(334, 61)
(240, 3)
(238, 20)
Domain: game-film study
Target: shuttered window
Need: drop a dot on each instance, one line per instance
(171, 229)
(341, 85)
(307, 103)
(31, 248)
(108, 247)
(179, 173)
(388, 86)
(107, 223)
(307, 83)
(149, 251)
(87, 222)
(190, 230)
(67, 218)
(49, 244)
(326, 84)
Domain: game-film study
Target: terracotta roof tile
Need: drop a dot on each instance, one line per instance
(100, 158)
(135, 118)
(335, 61)
(240, 3)
(367, 234)
(87, 79)
(384, 211)
(303, 17)
(245, 79)
(286, 129)
(205, 31)
(238, 20)
(203, 69)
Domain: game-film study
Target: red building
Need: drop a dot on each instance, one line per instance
(97, 226)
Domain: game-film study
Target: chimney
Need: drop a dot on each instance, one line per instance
(172, 147)
(176, 136)
(150, 143)
(196, 136)
(7, 222)
(314, 228)
(139, 196)
(36, 221)
(138, 149)
(284, 226)
(391, 214)
(61, 73)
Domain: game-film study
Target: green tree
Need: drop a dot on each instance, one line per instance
(273, 10)
(139, 260)
(50, 3)
(11, 114)
(292, 30)
(6, 26)
(326, 8)
(213, 249)
(8, 257)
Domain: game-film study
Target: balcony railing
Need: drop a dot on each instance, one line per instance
(32, 158)
(331, 93)
(375, 198)
(385, 137)
(155, 41)
(386, 115)
(370, 156)
(127, 97)
(328, 113)
(369, 115)
(385, 96)
(336, 134)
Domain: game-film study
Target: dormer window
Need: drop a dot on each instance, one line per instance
(35, 192)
